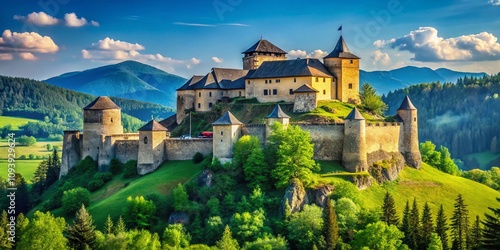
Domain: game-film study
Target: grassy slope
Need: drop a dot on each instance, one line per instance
(112, 198)
(25, 167)
(16, 122)
(435, 187)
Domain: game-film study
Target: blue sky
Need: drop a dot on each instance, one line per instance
(41, 39)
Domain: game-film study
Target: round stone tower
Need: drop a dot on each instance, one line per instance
(227, 130)
(354, 158)
(277, 115)
(100, 117)
(408, 114)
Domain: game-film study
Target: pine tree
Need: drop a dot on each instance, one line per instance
(414, 226)
(427, 227)
(475, 234)
(120, 226)
(81, 235)
(491, 229)
(54, 167)
(405, 223)
(389, 214)
(108, 225)
(460, 224)
(227, 242)
(331, 228)
(442, 227)
(5, 243)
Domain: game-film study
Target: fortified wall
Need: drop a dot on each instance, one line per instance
(355, 142)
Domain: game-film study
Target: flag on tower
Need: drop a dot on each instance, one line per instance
(340, 28)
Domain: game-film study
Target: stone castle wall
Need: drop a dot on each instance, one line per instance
(258, 130)
(384, 136)
(126, 150)
(108, 152)
(179, 149)
(328, 140)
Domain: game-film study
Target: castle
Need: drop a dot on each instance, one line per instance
(268, 77)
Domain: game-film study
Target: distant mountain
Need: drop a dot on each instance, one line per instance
(385, 81)
(128, 79)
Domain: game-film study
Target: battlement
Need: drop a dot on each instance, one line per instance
(384, 124)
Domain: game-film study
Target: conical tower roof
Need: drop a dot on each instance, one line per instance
(277, 113)
(101, 103)
(153, 126)
(355, 115)
(227, 119)
(406, 104)
(341, 51)
(264, 46)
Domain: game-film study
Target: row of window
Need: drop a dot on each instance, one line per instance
(268, 92)
(210, 94)
(209, 105)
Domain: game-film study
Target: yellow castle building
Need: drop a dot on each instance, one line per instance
(268, 76)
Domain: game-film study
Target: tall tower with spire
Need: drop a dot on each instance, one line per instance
(344, 65)
(260, 52)
(408, 114)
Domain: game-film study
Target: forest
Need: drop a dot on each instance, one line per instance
(461, 116)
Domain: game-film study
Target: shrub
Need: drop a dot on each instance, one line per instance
(104, 176)
(22, 157)
(328, 109)
(73, 199)
(115, 166)
(31, 156)
(130, 169)
(198, 157)
(95, 185)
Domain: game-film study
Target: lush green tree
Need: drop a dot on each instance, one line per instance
(347, 217)
(275, 243)
(181, 198)
(348, 190)
(305, 227)
(73, 199)
(389, 214)
(139, 212)
(43, 232)
(378, 236)
(248, 226)
(330, 226)
(213, 205)
(54, 168)
(491, 229)
(213, 230)
(26, 140)
(294, 155)
(435, 242)
(447, 164)
(429, 153)
(81, 234)
(48, 147)
(427, 227)
(175, 236)
(414, 226)
(120, 226)
(5, 243)
(115, 166)
(442, 227)
(130, 169)
(227, 242)
(243, 149)
(256, 170)
(475, 234)
(460, 224)
(108, 225)
(405, 223)
(257, 198)
(371, 101)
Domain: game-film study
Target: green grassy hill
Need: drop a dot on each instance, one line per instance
(15, 122)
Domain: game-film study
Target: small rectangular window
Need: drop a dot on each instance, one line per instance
(294, 79)
(275, 91)
(324, 79)
(291, 92)
(199, 105)
(240, 93)
(248, 81)
(317, 79)
(199, 94)
(266, 81)
(350, 85)
(210, 105)
(210, 94)
(351, 61)
(265, 91)
(270, 81)
(324, 91)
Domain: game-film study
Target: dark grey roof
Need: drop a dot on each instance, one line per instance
(341, 51)
(287, 68)
(153, 126)
(230, 78)
(306, 88)
(207, 82)
(227, 119)
(102, 102)
(406, 104)
(355, 115)
(277, 113)
(190, 82)
(264, 46)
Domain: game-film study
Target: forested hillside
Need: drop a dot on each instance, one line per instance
(463, 116)
(28, 98)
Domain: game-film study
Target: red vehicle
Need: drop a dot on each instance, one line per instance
(206, 134)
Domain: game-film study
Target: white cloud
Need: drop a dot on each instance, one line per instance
(217, 60)
(6, 57)
(26, 42)
(27, 56)
(111, 44)
(195, 24)
(109, 49)
(94, 23)
(73, 21)
(380, 57)
(39, 19)
(427, 46)
(494, 2)
(303, 54)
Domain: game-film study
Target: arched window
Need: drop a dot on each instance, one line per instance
(145, 140)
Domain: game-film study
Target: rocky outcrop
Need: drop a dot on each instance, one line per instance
(178, 218)
(205, 179)
(362, 181)
(319, 195)
(295, 197)
(385, 166)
